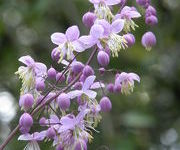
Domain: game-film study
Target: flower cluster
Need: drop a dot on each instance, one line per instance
(68, 100)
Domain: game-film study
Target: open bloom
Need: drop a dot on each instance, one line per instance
(127, 81)
(128, 13)
(102, 10)
(30, 73)
(87, 87)
(33, 138)
(68, 42)
(105, 35)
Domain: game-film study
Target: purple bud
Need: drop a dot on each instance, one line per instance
(51, 73)
(117, 88)
(88, 71)
(130, 39)
(80, 145)
(26, 120)
(24, 130)
(77, 67)
(148, 40)
(51, 133)
(42, 121)
(60, 77)
(70, 78)
(55, 54)
(150, 11)
(63, 101)
(40, 85)
(77, 86)
(26, 101)
(105, 104)
(143, 3)
(103, 58)
(82, 78)
(151, 20)
(102, 71)
(110, 87)
(88, 19)
(59, 147)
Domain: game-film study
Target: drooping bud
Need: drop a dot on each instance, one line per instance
(77, 86)
(60, 77)
(143, 3)
(148, 40)
(105, 104)
(26, 120)
(117, 88)
(40, 85)
(77, 67)
(151, 20)
(51, 73)
(26, 101)
(88, 19)
(88, 71)
(51, 133)
(102, 71)
(80, 145)
(150, 11)
(130, 39)
(110, 87)
(42, 121)
(55, 54)
(103, 58)
(63, 101)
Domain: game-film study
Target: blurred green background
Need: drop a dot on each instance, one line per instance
(148, 119)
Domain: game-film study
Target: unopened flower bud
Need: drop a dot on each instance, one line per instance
(88, 71)
(26, 101)
(150, 11)
(51, 133)
(40, 85)
(151, 20)
(51, 73)
(117, 88)
(77, 86)
(103, 58)
(60, 77)
(148, 40)
(110, 87)
(82, 78)
(130, 39)
(143, 3)
(42, 121)
(105, 104)
(55, 54)
(59, 147)
(63, 101)
(77, 67)
(88, 19)
(102, 71)
(24, 130)
(26, 120)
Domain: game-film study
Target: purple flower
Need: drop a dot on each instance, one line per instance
(87, 87)
(126, 80)
(128, 13)
(104, 34)
(29, 73)
(106, 2)
(37, 136)
(68, 42)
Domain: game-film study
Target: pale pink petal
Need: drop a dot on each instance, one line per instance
(72, 33)
(58, 38)
(91, 94)
(97, 85)
(112, 2)
(97, 31)
(105, 25)
(74, 93)
(117, 25)
(95, 1)
(27, 60)
(134, 76)
(25, 137)
(88, 82)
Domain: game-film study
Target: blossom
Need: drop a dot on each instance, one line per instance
(29, 73)
(86, 88)
(127, 81)
(128, 13)
(68, 42)
(105, 34)
(102, 10)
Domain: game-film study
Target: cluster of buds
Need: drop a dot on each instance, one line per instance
(68, 100)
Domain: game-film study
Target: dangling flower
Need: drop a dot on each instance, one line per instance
(128, 13)
(29, 73)
(68, 43)
(32, 138)
(127, 82)
(87, 87)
